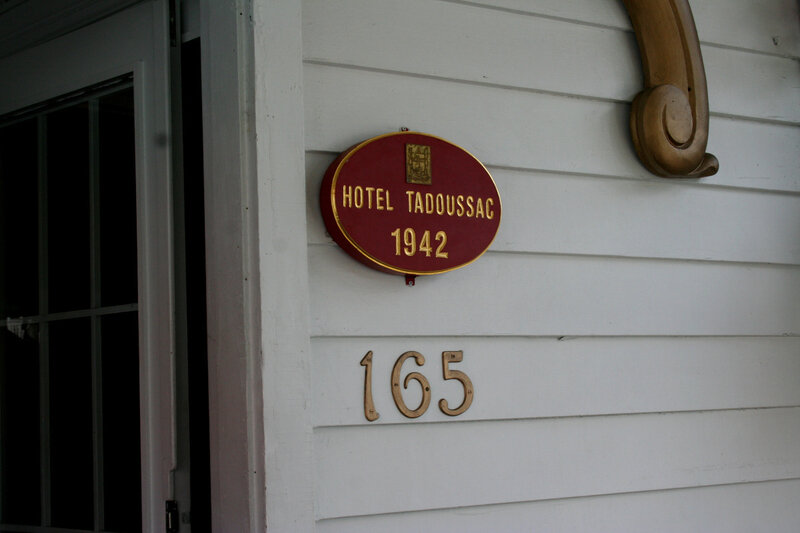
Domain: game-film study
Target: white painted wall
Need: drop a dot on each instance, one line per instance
(634, 343)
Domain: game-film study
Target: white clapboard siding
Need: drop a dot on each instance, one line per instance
(765, 26)
(524, 294)
(752, 85)
(517, 377)
(633, 342)
(513, 128)
(404, 467)
(557, 213)
(769, 507)
(504, 48)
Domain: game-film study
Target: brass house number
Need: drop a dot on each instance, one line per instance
(447, 357)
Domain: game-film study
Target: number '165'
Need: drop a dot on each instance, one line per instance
(447, 357)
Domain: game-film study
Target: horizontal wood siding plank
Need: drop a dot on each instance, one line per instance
(394, 468)
(546, 377)
(759, 25)
(464, 42)
(595, 12)
(512, 128)
(752, 85)
(767, 507)
(553, 213)
(430, 38)
(521, 294)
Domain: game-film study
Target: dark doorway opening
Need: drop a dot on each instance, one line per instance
(196, 346)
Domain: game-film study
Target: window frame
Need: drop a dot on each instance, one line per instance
(135, 40)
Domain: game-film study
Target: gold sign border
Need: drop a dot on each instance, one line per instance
(352, 151)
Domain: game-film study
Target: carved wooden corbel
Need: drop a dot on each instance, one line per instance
(669, 118)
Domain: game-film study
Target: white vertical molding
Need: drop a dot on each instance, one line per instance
(284, 266)
(236, 420)
(156, 290)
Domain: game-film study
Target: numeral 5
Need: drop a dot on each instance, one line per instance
(456, 357)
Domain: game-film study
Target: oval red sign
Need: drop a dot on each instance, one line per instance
(410, 203)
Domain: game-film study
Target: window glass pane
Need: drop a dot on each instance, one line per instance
(19, 290)
(117, 199)
(71, 457)
(55, 429)
(19, 426)
(120, 348)
(68, 208)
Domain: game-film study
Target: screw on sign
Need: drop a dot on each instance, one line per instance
(410, 203)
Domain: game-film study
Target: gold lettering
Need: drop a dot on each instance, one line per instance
(347, 196)
(370, 190)
(359, 197)
(388, 204)
(428, 203)
(441, 236)
(436, 203)
(451, 205)
(379, 199)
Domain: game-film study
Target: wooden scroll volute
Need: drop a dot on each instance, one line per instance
(669, 118)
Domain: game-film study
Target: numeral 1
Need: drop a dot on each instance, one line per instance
(369, 405)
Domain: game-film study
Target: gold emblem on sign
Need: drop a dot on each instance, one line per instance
(418, 164)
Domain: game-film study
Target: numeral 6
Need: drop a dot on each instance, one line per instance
(397, 394)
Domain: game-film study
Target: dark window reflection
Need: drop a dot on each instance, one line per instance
(19, 217)
(71, 453)
(120, 349)
(19, 427)
(68, 234)
(117, 199)
(69, 365)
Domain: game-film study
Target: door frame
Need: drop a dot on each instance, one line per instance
(233, 295)
(259, 348)
(135, 40)
(243, 230)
